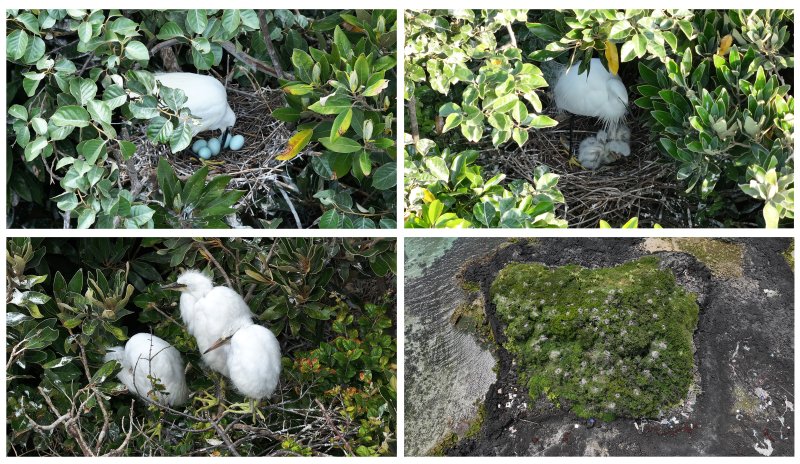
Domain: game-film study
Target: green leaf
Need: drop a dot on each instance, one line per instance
(19, 112)
(86, 218)
(484, 213)
(438, 167)
(544, 32)
(70, 116)
(341, 144)
(231, 20)
(100, 111)
(181, 137)
(84, 90)
(85, 31)
(330, 220)
(771, 215)
(196, 21)
(137, 51)
(127, 148)
(361, 68)
(170, 30)
(104, 372)
(376, 88)
(16, 44)
(432, 211)
(39, 125)
(341, 124)
(33, 149)
(385, 177)
(332, 104)
(92, 149)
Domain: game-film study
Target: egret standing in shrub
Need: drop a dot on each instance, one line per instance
(206, 99)
(151, 368)
(229, 341)
(599, 93)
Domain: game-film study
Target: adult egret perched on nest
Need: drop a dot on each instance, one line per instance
(229, 341)
(147, 359)
(207, 100)
(599, 93)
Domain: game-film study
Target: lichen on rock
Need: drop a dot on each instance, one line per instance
(608, 342)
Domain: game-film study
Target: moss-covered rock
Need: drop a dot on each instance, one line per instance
(608, 342)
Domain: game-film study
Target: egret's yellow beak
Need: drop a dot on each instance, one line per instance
(174, 286)
(612, 57)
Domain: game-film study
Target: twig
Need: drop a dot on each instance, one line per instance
(249, 60)
(121, 448)
(511, 35)
(412, 118)
(273, 55)
(333, 428)
(215, 263)
(166, 43)
(291, 207)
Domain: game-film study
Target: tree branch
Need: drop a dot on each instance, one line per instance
(273, 55)
(250, 61)
(412, 118)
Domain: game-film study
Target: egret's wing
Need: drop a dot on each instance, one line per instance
(206, 97)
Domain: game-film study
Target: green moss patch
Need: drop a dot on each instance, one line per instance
(788, 254)
(608, 342)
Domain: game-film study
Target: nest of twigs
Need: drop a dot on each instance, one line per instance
(254, 168)
(641, 185)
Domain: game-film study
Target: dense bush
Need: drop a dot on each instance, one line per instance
(329, 301)
(716, 87)
(448, 190)
(607, 342)
(81, 86)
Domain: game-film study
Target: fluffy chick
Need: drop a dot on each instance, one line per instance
(592, 152)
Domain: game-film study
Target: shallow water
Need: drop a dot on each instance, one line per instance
(447, 371)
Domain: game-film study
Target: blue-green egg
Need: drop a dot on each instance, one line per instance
(214, 146)
(228, 140)
(237, 142)
(198, 144)
(204, 153)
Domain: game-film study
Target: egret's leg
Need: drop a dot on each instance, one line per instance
(224, 138)
(253, 409)
(571, 138)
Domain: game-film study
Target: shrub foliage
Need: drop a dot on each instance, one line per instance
(81, 86)
(329, 301)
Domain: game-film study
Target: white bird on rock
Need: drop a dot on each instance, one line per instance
(230, 342)
(207, 100)
(145, 359)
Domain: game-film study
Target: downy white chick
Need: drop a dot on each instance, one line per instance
(618, 143)
(147, 357)
(592, 152)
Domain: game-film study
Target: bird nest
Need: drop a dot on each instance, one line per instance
(254, 168)
(641, 185)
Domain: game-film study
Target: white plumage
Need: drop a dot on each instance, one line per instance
(146, 356)
(231, 343)
(254, 361)
(605, 148)
(592, 153)
(599, 94)
(206, 98)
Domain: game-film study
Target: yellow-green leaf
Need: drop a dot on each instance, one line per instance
(296, 143)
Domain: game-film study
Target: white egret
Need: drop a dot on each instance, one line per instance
(230, 342)
(619, 139)
(598, 93)
(592, 153)
(210, 313)
(146, 359)
(207, 100)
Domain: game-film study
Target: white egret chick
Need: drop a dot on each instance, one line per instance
(254, 360)
(592, 152)
(206, 99)
(619, 139)
(145, 359)
(210, 313)
(598, 93)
